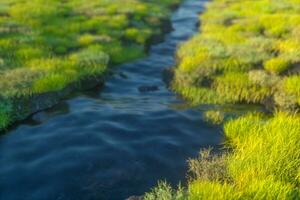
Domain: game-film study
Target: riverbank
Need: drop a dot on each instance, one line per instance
(104, 143)
(50, 49)
(243, 55)
(247, 52)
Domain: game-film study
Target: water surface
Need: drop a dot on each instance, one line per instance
(109, 143)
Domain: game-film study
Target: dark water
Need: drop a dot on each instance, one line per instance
(109, 144)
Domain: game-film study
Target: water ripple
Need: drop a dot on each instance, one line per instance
(109, 144)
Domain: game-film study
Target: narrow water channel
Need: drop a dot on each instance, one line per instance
(113, 142)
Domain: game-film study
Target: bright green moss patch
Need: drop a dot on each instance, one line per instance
(237, 38)
(53, 82)
(46, 45)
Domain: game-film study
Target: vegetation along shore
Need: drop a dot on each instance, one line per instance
(247, 52)
(49, 48)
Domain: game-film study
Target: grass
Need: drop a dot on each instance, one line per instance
(46, 45)
(247, 52)
(214, 116)
(263, 164)
(236, 40)
(277, 65)
(292, 86)
(165, 192)
(208, 167)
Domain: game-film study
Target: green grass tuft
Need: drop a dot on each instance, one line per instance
(163, 191)
(277, 65)
(214, 116)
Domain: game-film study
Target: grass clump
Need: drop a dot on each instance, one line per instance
(277, 65)
(235, 87)
(238, 38)
(164, 191)
(288, 95)
(263, 164)
(214, 116)
(208, 167)
(292, 85)
(50, 83)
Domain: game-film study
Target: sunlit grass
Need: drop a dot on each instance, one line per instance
(238, 38)
(264, 163)
(292, 86)
(277, 65)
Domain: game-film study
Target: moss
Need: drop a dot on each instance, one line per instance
(50, 83)
(47, 45)
(138, 35)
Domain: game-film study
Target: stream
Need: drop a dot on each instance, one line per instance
(111, 142)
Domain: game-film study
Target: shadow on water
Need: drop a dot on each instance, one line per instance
(114, 143)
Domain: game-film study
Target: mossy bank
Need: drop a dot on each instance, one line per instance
(51, 48)
(247, 52)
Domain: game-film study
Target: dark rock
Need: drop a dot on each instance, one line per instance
(123, 75)
(148, 88)
(39, 117)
